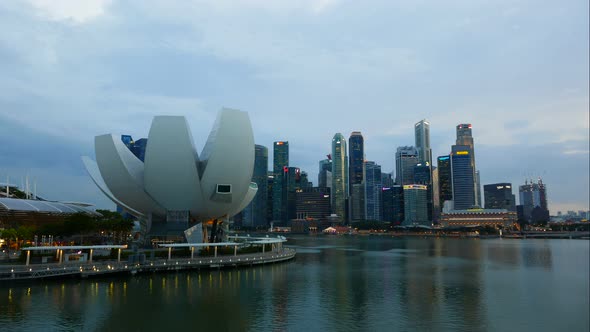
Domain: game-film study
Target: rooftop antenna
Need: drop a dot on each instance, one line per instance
(35, 190)
(7, 186)
(28, 191)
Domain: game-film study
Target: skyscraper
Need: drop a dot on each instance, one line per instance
(357, 201)
(136, 147)
(356, 179)
(386, 204)
(313, 203)
(339, 176)
(292, 181)
(462, 177)
(127, 140)
(423, 176)
(387, 180)
(139, 147)
(325, 173)
(445, 180)
(279, 188)
(435, 196)
(422, 136)
(477, 189)
(357, 156)
(416, 205)
(372, 193)
(398, 204)
(499, 196)
(255, 213)
(406, 158)
(533, 196)
(465, 138)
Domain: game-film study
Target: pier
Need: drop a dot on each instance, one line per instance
(89, 269)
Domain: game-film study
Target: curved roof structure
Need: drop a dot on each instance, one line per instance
(29, 205)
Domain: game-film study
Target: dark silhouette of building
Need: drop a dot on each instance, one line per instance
(445, 180)
(533, 195)
(398, 204)
(255, 214)
(499, 196)
(313, 203)
(387, 204)
(280, 167)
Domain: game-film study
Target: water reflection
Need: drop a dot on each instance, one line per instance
(342, 283)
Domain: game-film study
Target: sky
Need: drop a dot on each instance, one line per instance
(518, 71)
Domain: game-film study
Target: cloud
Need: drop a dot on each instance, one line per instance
(304, 70)
(74, 11)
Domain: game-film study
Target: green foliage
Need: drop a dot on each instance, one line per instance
(78, 223)
(9, 234)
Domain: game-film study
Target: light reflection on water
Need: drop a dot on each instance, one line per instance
(335, 283)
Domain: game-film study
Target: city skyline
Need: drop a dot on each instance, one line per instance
(71, 73)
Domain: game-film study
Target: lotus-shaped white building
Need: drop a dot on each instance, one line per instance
(175, 187)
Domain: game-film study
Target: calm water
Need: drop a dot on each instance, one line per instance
(335, 284)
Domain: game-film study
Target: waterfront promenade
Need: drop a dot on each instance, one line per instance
(88, 269)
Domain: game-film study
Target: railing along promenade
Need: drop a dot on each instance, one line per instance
(86, 269)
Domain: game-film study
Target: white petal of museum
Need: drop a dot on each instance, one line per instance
(174, 186)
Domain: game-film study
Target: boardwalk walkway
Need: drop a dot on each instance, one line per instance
(54, 270)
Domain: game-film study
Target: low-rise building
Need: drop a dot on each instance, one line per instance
(479, 217)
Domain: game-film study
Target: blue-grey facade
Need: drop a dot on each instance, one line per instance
(280, 166)
(406, 157)
(373, 188)
(462, 178)
(339, 177)
(255, 214)
(416, 205)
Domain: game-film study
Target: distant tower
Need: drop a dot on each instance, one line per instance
(422, 136)
(533, 198)
(416, 205)
(279, 189)
(372, 193)
(139, 147)
(463, 177)
(356, 155)
(255, 214)
(339, 176)
(465, 138)
(406, 158)
(445, 180)
(499, 196)
(325, 173)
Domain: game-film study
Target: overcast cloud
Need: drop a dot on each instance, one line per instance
(304, 70)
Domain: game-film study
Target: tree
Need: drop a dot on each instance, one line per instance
(10, 234)
(79, 224)
(114, 223)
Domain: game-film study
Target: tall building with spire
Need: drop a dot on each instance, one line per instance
(356, 155)
(422, 139)
(339, 176)
(280, 167)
